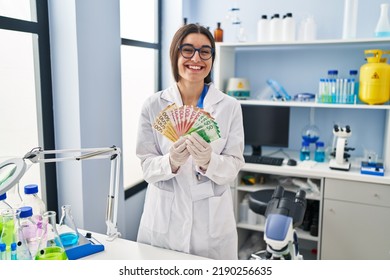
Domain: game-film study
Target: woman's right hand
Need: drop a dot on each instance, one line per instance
(178, 154)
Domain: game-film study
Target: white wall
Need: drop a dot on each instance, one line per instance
(85, 49)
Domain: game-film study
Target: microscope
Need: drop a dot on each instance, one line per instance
(340, 152)
(284, 212)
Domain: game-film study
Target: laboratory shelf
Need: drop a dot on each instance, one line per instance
(314, 104)
(337, 43)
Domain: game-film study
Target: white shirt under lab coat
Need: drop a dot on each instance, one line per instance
(186, 211)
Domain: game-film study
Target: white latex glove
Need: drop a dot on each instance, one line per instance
(199, 149)
(178, 154)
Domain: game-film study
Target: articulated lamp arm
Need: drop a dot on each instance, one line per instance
(37, 155)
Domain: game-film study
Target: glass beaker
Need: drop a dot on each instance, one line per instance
(67, 229)
(50, 245)
(7, 232)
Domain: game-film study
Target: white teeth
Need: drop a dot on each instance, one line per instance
(194, 67)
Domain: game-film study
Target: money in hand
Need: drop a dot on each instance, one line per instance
(174, 122)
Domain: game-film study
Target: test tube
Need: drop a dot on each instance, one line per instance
(2, 251)
(13, 251)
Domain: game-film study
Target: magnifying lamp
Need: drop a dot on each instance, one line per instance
(12, 170)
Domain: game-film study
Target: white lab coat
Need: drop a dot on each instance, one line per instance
(186, 211)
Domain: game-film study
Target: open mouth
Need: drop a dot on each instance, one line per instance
(194, 67)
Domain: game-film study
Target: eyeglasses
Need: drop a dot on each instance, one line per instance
(188, 51)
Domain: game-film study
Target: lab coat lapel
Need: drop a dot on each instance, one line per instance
(172, 95)
(213, 97)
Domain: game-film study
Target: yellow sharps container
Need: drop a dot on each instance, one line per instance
(374, 80)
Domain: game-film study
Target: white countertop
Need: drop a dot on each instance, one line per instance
(318, 170)
(123, 249)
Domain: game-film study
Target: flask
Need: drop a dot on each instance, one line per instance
(263, 29)
(288, 28)
(319, 154)
(218, 33)
(32, 199)
(67, 228)
(29, 229)
(50, 245)
(305, 151)
(275, 28)
(13, 237)
(350, 18)
(382, 28)
(8, 228)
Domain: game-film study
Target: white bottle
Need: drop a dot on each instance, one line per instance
(263, 29)
(3, 205)
(244, 207)
(32, 199)
(308, 29)
(13, 197)
(350, 19)
(275, 28)
(383, 27)
(288, 28)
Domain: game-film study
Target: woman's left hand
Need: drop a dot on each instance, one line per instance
(199, 149)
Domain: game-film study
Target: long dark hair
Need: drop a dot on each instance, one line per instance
(178, 39)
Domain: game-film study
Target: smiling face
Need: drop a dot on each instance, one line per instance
(196, 36)
(194, 69)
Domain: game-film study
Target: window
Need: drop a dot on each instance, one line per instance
(25, 89)
(140, 62)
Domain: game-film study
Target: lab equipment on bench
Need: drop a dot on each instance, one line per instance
(67, 229)
(372, 168)
(272, 91)
(284, 211)
(341, 157)
(238, 88)
(12, 170)
(50, 245)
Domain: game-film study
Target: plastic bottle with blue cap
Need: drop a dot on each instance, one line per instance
(319, 154)
(29, 229)
(305, 151)
(32, 199)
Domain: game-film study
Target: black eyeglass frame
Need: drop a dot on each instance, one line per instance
(196, 50)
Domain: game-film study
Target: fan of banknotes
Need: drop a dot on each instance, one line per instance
(174, 122)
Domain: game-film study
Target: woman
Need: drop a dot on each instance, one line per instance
(188, 205)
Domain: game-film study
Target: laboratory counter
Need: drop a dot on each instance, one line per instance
(123, 249)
